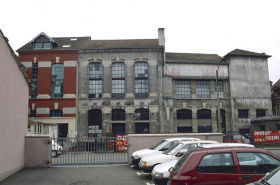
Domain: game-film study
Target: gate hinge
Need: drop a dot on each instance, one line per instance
(47, 162)
(46, 142)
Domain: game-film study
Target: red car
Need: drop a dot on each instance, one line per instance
(222, 166)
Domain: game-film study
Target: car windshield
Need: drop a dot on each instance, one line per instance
(273, 177)
(159, 145)
(181, 162)
(173, 149)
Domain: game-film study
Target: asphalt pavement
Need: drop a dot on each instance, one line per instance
(80, 175)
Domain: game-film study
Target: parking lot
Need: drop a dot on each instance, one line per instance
(80, 175)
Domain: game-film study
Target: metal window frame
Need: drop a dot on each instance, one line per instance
(183, 88)
(184, 114)
(202, 88)
(57, 71)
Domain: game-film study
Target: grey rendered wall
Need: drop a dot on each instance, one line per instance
(250, 88)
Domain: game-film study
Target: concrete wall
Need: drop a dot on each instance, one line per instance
(13, 113)
(250, 88)
(142, 141)
(36, 151)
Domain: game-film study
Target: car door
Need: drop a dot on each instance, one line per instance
(252, 166)
(216, 168)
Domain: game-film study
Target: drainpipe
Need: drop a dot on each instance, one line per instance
(231, 101)
(77, 99)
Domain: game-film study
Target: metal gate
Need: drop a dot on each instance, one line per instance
(89, 151)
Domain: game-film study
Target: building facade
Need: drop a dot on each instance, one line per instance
(275, 97)
(51, 64)
(134, 86)
(14, 84)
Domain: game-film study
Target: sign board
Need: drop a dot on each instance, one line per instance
(268, 136)
(121, 143)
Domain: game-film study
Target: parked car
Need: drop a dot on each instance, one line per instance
(148, 162)
(240, 165)
(158, 148)
(56, 149)
(238, 138)
(272, 178)
(160, 172)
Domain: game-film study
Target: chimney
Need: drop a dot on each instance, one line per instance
(161, 37)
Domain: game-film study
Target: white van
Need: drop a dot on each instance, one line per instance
(56, 149)
(158, 148)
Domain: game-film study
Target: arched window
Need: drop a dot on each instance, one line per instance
(184, 114)
(204, 114)
(141, 79)
(118, 80)
(57, 81)
(95, 80)
(142, 114)
(118, 115)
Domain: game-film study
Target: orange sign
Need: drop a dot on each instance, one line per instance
(266, 136)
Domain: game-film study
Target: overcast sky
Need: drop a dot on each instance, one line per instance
(197, 26)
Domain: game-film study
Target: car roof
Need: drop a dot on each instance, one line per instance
(200, 141)
(228, 149)
(179, 138)
(227, 145)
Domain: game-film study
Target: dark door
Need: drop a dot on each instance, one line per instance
(204, 129)
(184, 129)
(62, 130)
(141, 128)
(118, 128)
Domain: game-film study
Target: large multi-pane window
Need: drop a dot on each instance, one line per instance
(34, 80)
(56, 113)
(184, 114)
(202, 89)
(141, 79)
(118, 115)
(221, 89)
(204, 114)
(32, 113)
(142, 114)
(118, 80)
(183, 88)
(94, 123)
(95, 80)
(37, 45)
(47, 45)
(57, 81)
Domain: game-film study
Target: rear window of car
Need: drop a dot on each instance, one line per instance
(256, 162)
(181, 162)
(216, 163)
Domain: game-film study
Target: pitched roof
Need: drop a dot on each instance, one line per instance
(194, 58)
(21, 67)
(276, 85)
(239, 52)
(87, 43)
(42, 33)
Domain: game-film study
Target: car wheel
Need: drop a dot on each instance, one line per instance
(54, 153)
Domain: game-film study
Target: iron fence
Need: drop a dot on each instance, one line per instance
(89, 151)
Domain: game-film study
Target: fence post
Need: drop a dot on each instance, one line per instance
(262, 141)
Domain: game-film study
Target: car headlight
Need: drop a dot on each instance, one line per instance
(159, 175)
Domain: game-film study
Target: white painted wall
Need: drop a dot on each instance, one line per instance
(13, 113)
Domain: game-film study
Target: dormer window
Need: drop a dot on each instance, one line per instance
(47, 45)
(38, 45)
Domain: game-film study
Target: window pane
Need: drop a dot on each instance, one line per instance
(221, 89)
(56, 113)
(141, 88)
(243, 113)
(202, 89)
(260, 113)
(204, 114)
(118, 115)
(47, 45)
(184, 114)
(118, 88)
(141, 70)
(183, 89)
(217, 163)
(118, 70)
(256, 162)
(38, 45)
(142, 114)
(57, 81)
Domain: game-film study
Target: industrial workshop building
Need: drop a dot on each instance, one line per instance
(135, 86)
